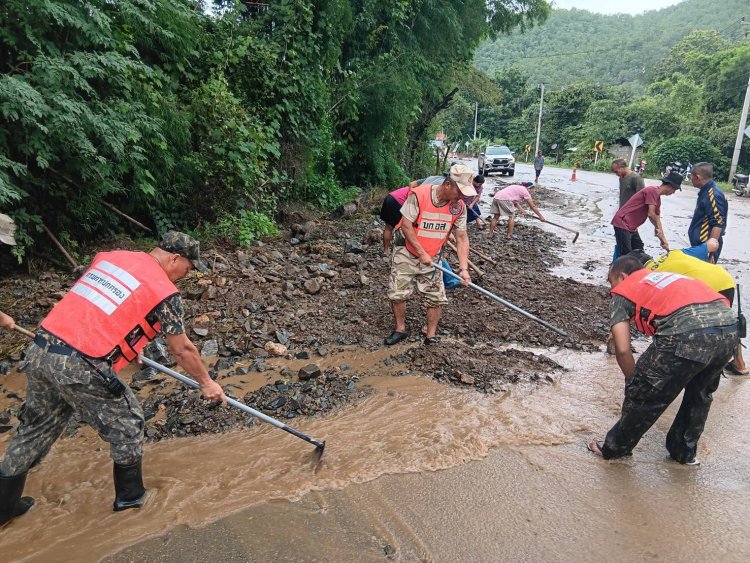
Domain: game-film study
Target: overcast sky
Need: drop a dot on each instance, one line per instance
(615, 6)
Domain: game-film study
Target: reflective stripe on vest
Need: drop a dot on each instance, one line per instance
(105, 311)
(659, 294)
(433, 224)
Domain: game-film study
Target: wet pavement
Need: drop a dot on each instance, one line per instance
(423, 471)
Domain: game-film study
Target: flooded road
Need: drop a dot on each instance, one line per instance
(423, 471)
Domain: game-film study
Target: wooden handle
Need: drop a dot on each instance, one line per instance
(452, 240)
(24, 331)
(482, 255)
(471, 264)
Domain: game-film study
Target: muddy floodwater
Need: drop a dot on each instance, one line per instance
(422, 471)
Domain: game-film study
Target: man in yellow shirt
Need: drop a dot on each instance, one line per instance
(692, 262)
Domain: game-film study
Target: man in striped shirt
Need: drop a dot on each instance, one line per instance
(711, 209)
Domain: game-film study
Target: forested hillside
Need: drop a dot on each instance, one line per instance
(689, 111)
(204, 115)
(622, 50)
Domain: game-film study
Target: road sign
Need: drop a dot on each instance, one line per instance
(599, 146)
(747, 131)
(528, 148)
(635, 140)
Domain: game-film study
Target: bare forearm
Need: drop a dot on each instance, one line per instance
(411, 236)
(6, 321)
(626, 361)
(715, 233)
(189, 359)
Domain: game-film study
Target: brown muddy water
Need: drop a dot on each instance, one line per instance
(417, 471)
(420, 471)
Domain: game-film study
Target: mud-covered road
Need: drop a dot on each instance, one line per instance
(471, 451)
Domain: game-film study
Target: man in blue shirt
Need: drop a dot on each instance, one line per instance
(710, 216)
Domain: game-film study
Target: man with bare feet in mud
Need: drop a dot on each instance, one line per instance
(695, 334)
(430, 213)
(121, 303)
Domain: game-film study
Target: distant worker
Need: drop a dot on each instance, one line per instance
(695, 334)
(630, 181)
(121, 303)
(645, 204)
(538, 165)
(430, 213)
(473, 214)
(507, 201)
(711, 209)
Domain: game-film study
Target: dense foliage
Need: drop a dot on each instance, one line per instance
(620, 50)
(203, 115)
(689, 112)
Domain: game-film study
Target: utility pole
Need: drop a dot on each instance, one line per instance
(740, 133)
(539, 122)
(476, 114)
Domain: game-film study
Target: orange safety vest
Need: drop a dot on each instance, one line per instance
(659, 294)
(106, 309)
(433, 224)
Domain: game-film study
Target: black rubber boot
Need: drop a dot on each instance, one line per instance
(12, 504)
(129, 489)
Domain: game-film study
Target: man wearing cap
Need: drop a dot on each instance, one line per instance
(507, 201)
(119, 304)
(644, 204)
(430, 213)
(7, 228)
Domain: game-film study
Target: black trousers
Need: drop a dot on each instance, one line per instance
(692, 361)
(627, 242)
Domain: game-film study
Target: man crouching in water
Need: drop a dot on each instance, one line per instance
(695, 333)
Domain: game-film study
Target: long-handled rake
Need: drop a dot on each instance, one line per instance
(319, 446)
(504, 302)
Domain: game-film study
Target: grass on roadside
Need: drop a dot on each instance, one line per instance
(725, 187)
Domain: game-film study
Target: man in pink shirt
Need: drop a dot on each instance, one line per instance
(390, 213)
(507, 201)
(645, 204)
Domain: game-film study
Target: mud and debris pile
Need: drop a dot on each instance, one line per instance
(178, 412)
(322, 287)
(486, 369)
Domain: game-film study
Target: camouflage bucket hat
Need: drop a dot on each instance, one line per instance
(184, 245)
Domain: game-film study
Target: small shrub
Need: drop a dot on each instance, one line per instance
(242, 228)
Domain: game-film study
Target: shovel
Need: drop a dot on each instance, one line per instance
(575, 238)
(319, 446)
(504, 302)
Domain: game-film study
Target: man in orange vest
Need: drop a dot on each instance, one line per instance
(695, 333)
(429, 215)
(119, 304)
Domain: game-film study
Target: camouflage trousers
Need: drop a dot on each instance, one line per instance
(692, 361)
(408, 274)
(57, 387)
